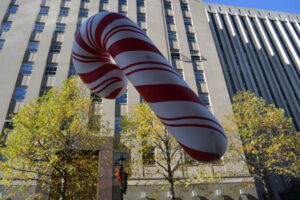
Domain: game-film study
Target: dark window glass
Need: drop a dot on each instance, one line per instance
(51, 69)
(55, 47)
(85, 0)
(170, 19)
(33, 46)
(39, 27)
(204, 98)
(122, 2)
(140, 2)
(64, 12)
(167, 5)
(141, 17)
(26, 68)
(2, 44)
(83, 12)
(187, 21)
(96, 98)
(20, 93)
(44, 10)
(44, 90)
(105, 1)
(191, 37)
(13, 9)
(184, 6)
(60, 27)
(122, 98)
(172, 36)
(72, 70)
(123, 13)
(118, 121)
(5, 26)
(199, 76)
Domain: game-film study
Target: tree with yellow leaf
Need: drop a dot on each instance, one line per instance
(156, 152)
(53, 146)
(270, 142)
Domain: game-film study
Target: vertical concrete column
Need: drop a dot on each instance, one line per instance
(214, 75)
(132, 95)
(94, 7)
(4, 4)
(42, 54)
(184, 47)
(65, 53)
(12, 59)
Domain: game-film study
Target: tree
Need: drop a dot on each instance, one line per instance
(53, 145)
(270, 142)
(156, 151)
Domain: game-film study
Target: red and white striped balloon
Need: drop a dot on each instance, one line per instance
(175, 104)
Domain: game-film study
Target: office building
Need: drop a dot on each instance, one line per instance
(217, 49)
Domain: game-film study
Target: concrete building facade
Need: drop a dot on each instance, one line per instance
(217, 49)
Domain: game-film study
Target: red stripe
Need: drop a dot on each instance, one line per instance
(103, 23)
(83, 45)
(109, 84)
(188, 117)
(167, 92)
(129, 30)
(99, 56)
(200, 155)
(97, 73)
(112, 78)
(89, 32)
(120, 26)
(131, 44)
(152, 68)
(114, 94)
(196, 125)
(92, 38)
(147, 62)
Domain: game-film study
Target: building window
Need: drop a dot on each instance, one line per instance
(83, 12)
(195, 58)
(51, 69)
(64, 12)
(199, 76)
(148, 155)
(1, 44)
(140, 2)
(96, 98)
(118, 121)
(5, 26)
(194, 53)
(167, 5)
(44, 91)
(122, 98)
(44, 10)
(170, 20)
(33, 46)
(85, 0)
(72, 70)
(180, 72)
(123, 13)
(13, 9)
(172, 36)
(60, 27)
(39, 27)
(122, 2)
(187, 21)
(141, 17)
(55, 47)
(20, 93)
(105, 1)
(184, 7)
(191, 37)
(204, 98)
(27, 68)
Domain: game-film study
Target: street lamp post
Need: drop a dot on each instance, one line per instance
(121, 160)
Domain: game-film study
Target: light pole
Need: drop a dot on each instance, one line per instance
(121, 160)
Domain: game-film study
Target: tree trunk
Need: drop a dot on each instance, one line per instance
(172, 188)
(64, 187)
(267, 188)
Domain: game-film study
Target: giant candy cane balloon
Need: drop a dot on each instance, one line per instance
(174, 103)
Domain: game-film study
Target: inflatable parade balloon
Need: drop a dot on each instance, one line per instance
(108, 34)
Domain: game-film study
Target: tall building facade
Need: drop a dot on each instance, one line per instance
(217, 49)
